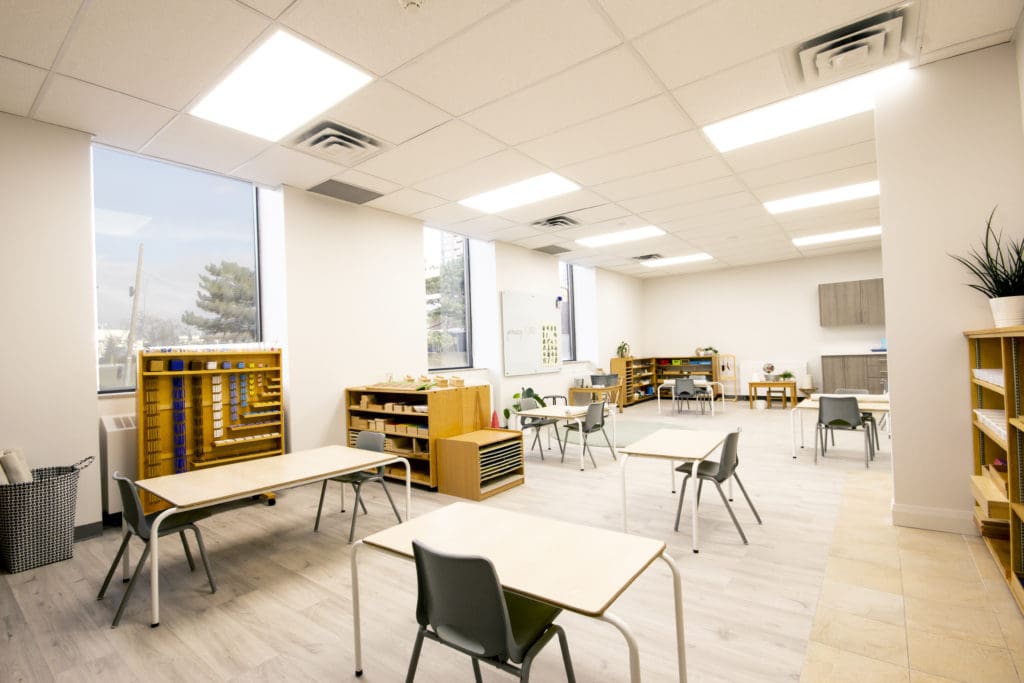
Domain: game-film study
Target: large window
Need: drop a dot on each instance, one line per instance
(175, 260)
(446, 262)
(568, 311)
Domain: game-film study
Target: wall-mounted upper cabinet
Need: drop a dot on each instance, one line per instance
(858, 302)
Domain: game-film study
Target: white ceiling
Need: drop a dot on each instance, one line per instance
(470, 95)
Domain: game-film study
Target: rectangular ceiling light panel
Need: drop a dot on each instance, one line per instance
(281, 85)
(676, 260)
(522, 193)
(623, 236)
(823, 198)
(837, 236)
(814, 108)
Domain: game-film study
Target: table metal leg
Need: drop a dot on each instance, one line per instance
(579, 433)
(154, 566)
(622, 476)
(408, 489)
(358, 645)
(677, 591)
(792, 430)
(693, 502)
(672, 473)
(634, 650)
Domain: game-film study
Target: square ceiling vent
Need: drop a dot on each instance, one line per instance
(338, 143)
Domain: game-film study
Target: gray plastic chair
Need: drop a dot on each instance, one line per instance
(685, 390)
(593, 422)
(368, 441)
(717, 473)
(536, 423)
(841, 412)
(461, 604)
(139, 524)
(865, 415)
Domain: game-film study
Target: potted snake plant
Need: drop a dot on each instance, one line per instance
(998, 266)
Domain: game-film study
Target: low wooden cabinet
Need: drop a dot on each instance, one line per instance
(480, 464)
(858, 302)
(857, 371)
(641, 376)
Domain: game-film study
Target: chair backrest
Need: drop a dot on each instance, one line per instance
(730, 456)
(839, 411)
(527, 403)
(370, 441)
(685, 386)
(595, 416)
(131, 506)
(555, 399)
(461, 598)
(851, 391)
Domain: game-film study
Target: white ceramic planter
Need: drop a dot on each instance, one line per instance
(1007, 311)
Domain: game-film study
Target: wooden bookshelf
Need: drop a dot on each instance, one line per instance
(641, 376)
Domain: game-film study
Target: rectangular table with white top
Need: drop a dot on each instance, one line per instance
(234, 481)
(567, 413)
(578, 568)
(690, 445)
(871, 403)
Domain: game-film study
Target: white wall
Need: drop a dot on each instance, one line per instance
(620, 316)
(354, 298)
(1019, 47)
(763, 312)
(950, 147)
(47, 288)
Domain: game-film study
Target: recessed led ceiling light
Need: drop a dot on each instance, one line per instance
(676, 260)
(833, 196)
(524, 192)
(830, 103)
(280, 86)
(837, 236)
(623, 236)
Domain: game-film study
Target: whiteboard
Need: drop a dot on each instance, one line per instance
(531, 334)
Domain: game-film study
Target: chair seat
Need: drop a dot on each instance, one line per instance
(360, 477)
(707, 468)
(538, 421)
(177, 521)
(528, 619)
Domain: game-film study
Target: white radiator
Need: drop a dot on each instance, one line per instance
(118, 453)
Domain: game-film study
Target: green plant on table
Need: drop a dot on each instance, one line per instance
(622, 350)
(787, 375)
(998, 265)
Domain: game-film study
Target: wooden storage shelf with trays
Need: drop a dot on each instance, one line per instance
(996, 359)
(675, 367)
(480, 464)
(205, 408)
(637, 377)
(412, 421)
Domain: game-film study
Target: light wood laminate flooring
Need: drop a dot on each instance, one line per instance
(827, 590)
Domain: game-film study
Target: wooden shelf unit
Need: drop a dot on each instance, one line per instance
(201, 409)
(998, 510)
(643, 375)
(480, 464)
(413, 421)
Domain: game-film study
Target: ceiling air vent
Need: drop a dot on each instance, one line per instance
(341, 144)
(552, 249)
(556, 223)
(345, 192)
(857, 48)
(647, 257)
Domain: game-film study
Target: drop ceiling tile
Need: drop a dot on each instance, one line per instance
(832, 160)
(544, 240)
(805, 143)
(700, 208)
(281, 166)
(32, 31)
(831, 248)
(653, 119)
(652, 156)
(481, 226)
(497, 170)
(380, 35)
(406, 202)
(965, 47)
(748, 86)
(515, 233)
(111, 117)
(635, 18)
(441, 149)
(19, 84)
(446, 215)
(272, 8)
(199, 143)
(163, 52)
(384, 110)
(826, 216)
(948, 23)
(605, 83)
(691, 47)
(566, 203)
(602, 228)
(665, 179)
(816, 183)
(596, 214)
(367, 181)
(750, 214)
(476, 66)
(726, 185)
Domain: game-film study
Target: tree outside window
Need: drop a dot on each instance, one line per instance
(446, 262)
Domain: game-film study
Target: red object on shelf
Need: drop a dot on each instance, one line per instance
(494, 419)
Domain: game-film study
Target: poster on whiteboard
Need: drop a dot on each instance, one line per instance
(531, 333)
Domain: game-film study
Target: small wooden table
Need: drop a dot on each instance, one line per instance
(673, 444)
(578, 568)
(234, 481)
(613, 394)
(788, 389)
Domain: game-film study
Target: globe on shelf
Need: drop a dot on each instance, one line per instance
(769, 368)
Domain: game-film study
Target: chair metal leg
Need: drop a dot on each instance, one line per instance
(749, 502)
(202, 554)
(476, 670)
(607, 441)
(320, 507)
(563, 643)
(731, 513)
(188, 552)
(415, 659)
(586, 449)
(536, 443)
(131, 586)
(117, 558)
(682, 494)
(391, 500)
(355, 511)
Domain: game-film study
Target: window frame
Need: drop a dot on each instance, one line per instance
(570, 301)
(467, 286)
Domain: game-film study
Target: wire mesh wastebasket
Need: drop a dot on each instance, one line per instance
(37, 518)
